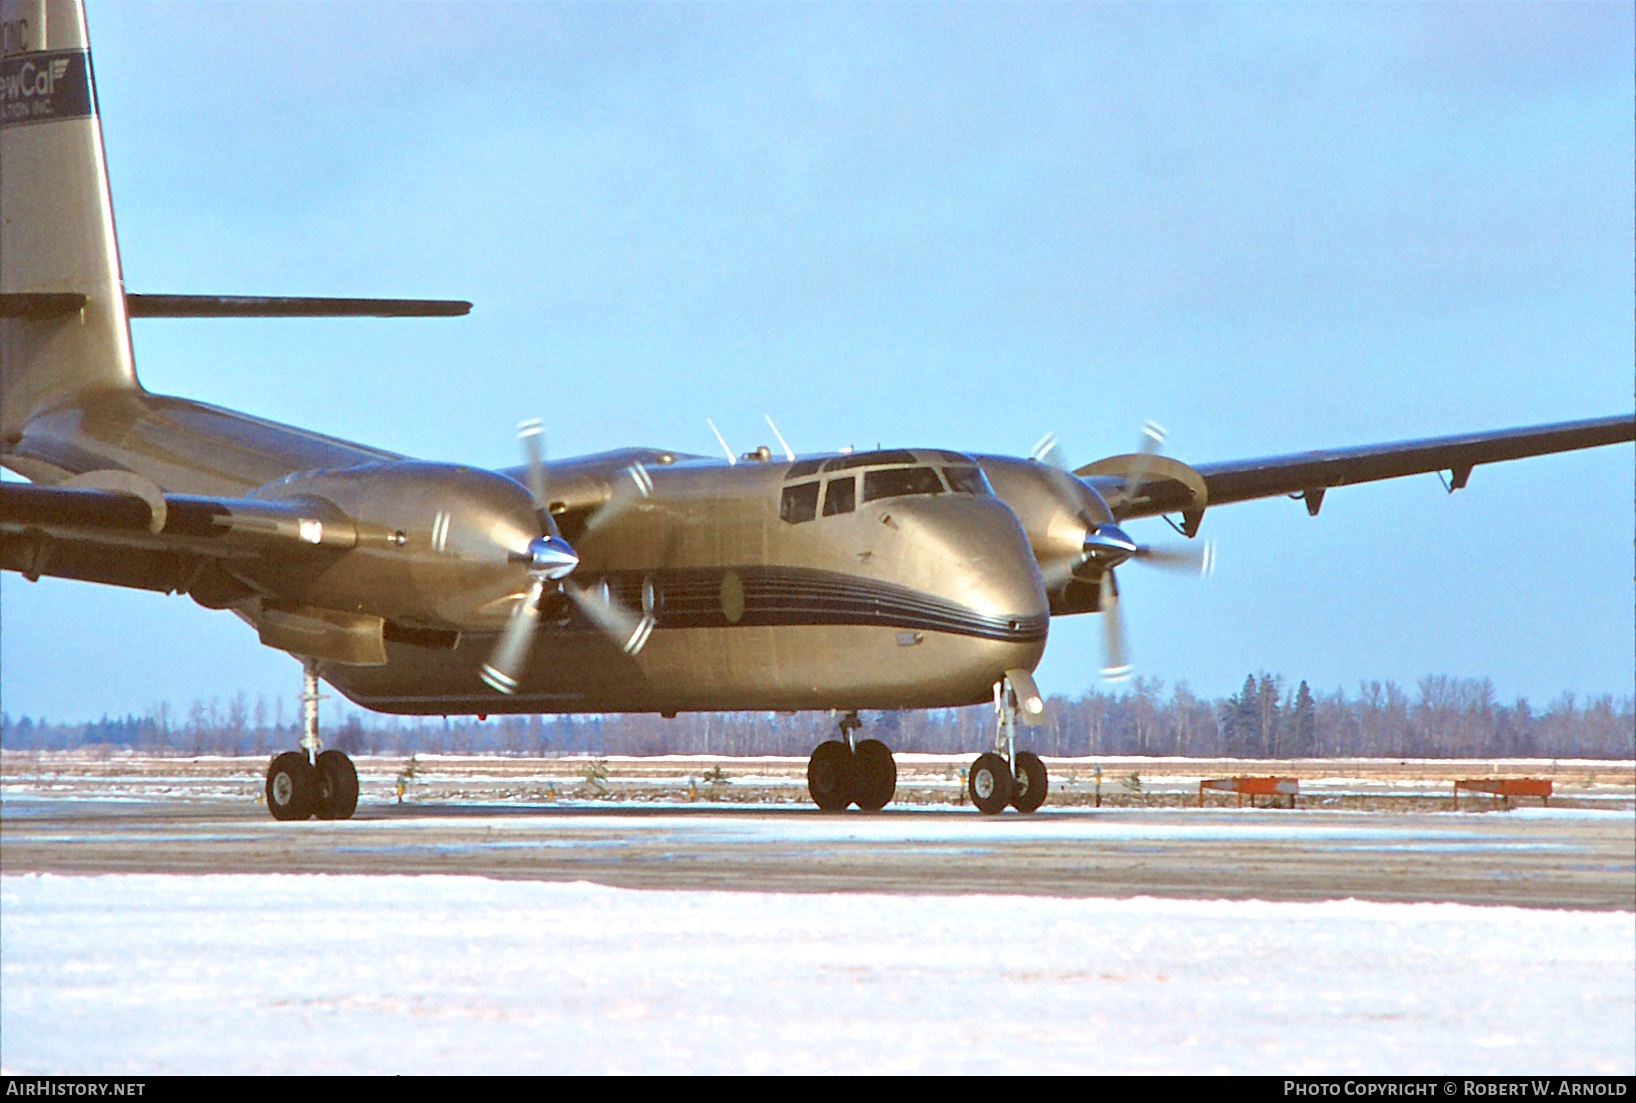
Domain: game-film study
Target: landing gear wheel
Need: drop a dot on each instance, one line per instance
(989, 783)
(1028, 792)
(829, 775)
(875, 775)
(292, 787)
(337, 786)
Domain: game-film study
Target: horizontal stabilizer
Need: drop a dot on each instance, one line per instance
(59, 304)
(279, 306)
(40, 304)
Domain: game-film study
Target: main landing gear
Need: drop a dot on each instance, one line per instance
(1005, 775)
(310, 782)
(851, 771)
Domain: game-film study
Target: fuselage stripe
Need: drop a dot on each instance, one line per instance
(784, 596)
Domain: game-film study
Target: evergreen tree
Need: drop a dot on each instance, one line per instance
(1239, 726)
(1305, 724)
(1268, 717)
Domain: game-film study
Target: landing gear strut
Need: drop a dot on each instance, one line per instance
(311, 782)
(1005, 775)
(849, 770)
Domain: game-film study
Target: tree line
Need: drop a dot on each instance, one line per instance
(1442, 717)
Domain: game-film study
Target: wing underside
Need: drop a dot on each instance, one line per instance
(156, 542)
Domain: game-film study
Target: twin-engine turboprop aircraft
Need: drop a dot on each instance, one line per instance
(635, 580)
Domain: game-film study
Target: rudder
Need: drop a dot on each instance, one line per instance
(57, 238)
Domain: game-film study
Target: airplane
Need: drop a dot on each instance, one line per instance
(638, 579)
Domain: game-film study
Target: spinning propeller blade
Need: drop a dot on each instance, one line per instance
(631, 487)
(1115, 666)
(1199, 560)
(531, 434)
(1148, 446)
(505, 664)
(610, 615)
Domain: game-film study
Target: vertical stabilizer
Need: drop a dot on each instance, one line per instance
(56, 221)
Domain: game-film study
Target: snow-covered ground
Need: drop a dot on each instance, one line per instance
(290, 973)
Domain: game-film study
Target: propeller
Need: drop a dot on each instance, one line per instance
(1112, 546)
(551, 560)
(1107, 546)
(1115, 666)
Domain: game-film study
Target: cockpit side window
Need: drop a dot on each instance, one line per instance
(842, 496)
(967, 479)
(900, 482)
(799, 503)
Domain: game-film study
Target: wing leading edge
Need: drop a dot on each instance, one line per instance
(1308, 474)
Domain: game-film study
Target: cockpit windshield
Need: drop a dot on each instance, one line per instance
(967, 478)
(900, 482)
(899, 473)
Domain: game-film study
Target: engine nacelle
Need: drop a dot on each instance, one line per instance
(439, 546)
(1057, 511)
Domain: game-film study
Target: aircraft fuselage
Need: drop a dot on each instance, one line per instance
(767, 586)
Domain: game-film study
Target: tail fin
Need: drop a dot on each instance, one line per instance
(56, 221)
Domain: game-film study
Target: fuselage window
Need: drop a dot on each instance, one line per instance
(842, 496)
(967, 479)
(800, 503)
(900, 482)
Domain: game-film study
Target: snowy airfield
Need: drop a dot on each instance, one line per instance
(184, 931)
(465, 974)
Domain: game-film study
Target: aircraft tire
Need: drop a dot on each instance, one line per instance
(875, 776)
(292, 787)
(829, 775)
(989, 784)
(337, 782)
(1028, 792)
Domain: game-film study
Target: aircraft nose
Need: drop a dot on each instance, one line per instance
(972, 551)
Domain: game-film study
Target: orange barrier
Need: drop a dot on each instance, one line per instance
(1507, 787)
(1253, 786)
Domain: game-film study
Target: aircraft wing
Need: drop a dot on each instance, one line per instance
(158, 541)
(1137, 486)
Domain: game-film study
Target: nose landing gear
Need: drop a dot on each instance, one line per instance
(851, 771)
(1006, 776)
(310, 782)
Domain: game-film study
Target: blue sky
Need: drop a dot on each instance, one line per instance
(1268, 227)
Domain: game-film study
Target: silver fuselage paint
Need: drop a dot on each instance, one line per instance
(904, 602)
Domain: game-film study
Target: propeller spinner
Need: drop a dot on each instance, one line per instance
(551, 560)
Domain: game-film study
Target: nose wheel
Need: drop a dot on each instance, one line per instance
(310, 782)
(849, 771)
(829, 776)
(1006, 776)
(1029, 782)
(989, 784)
